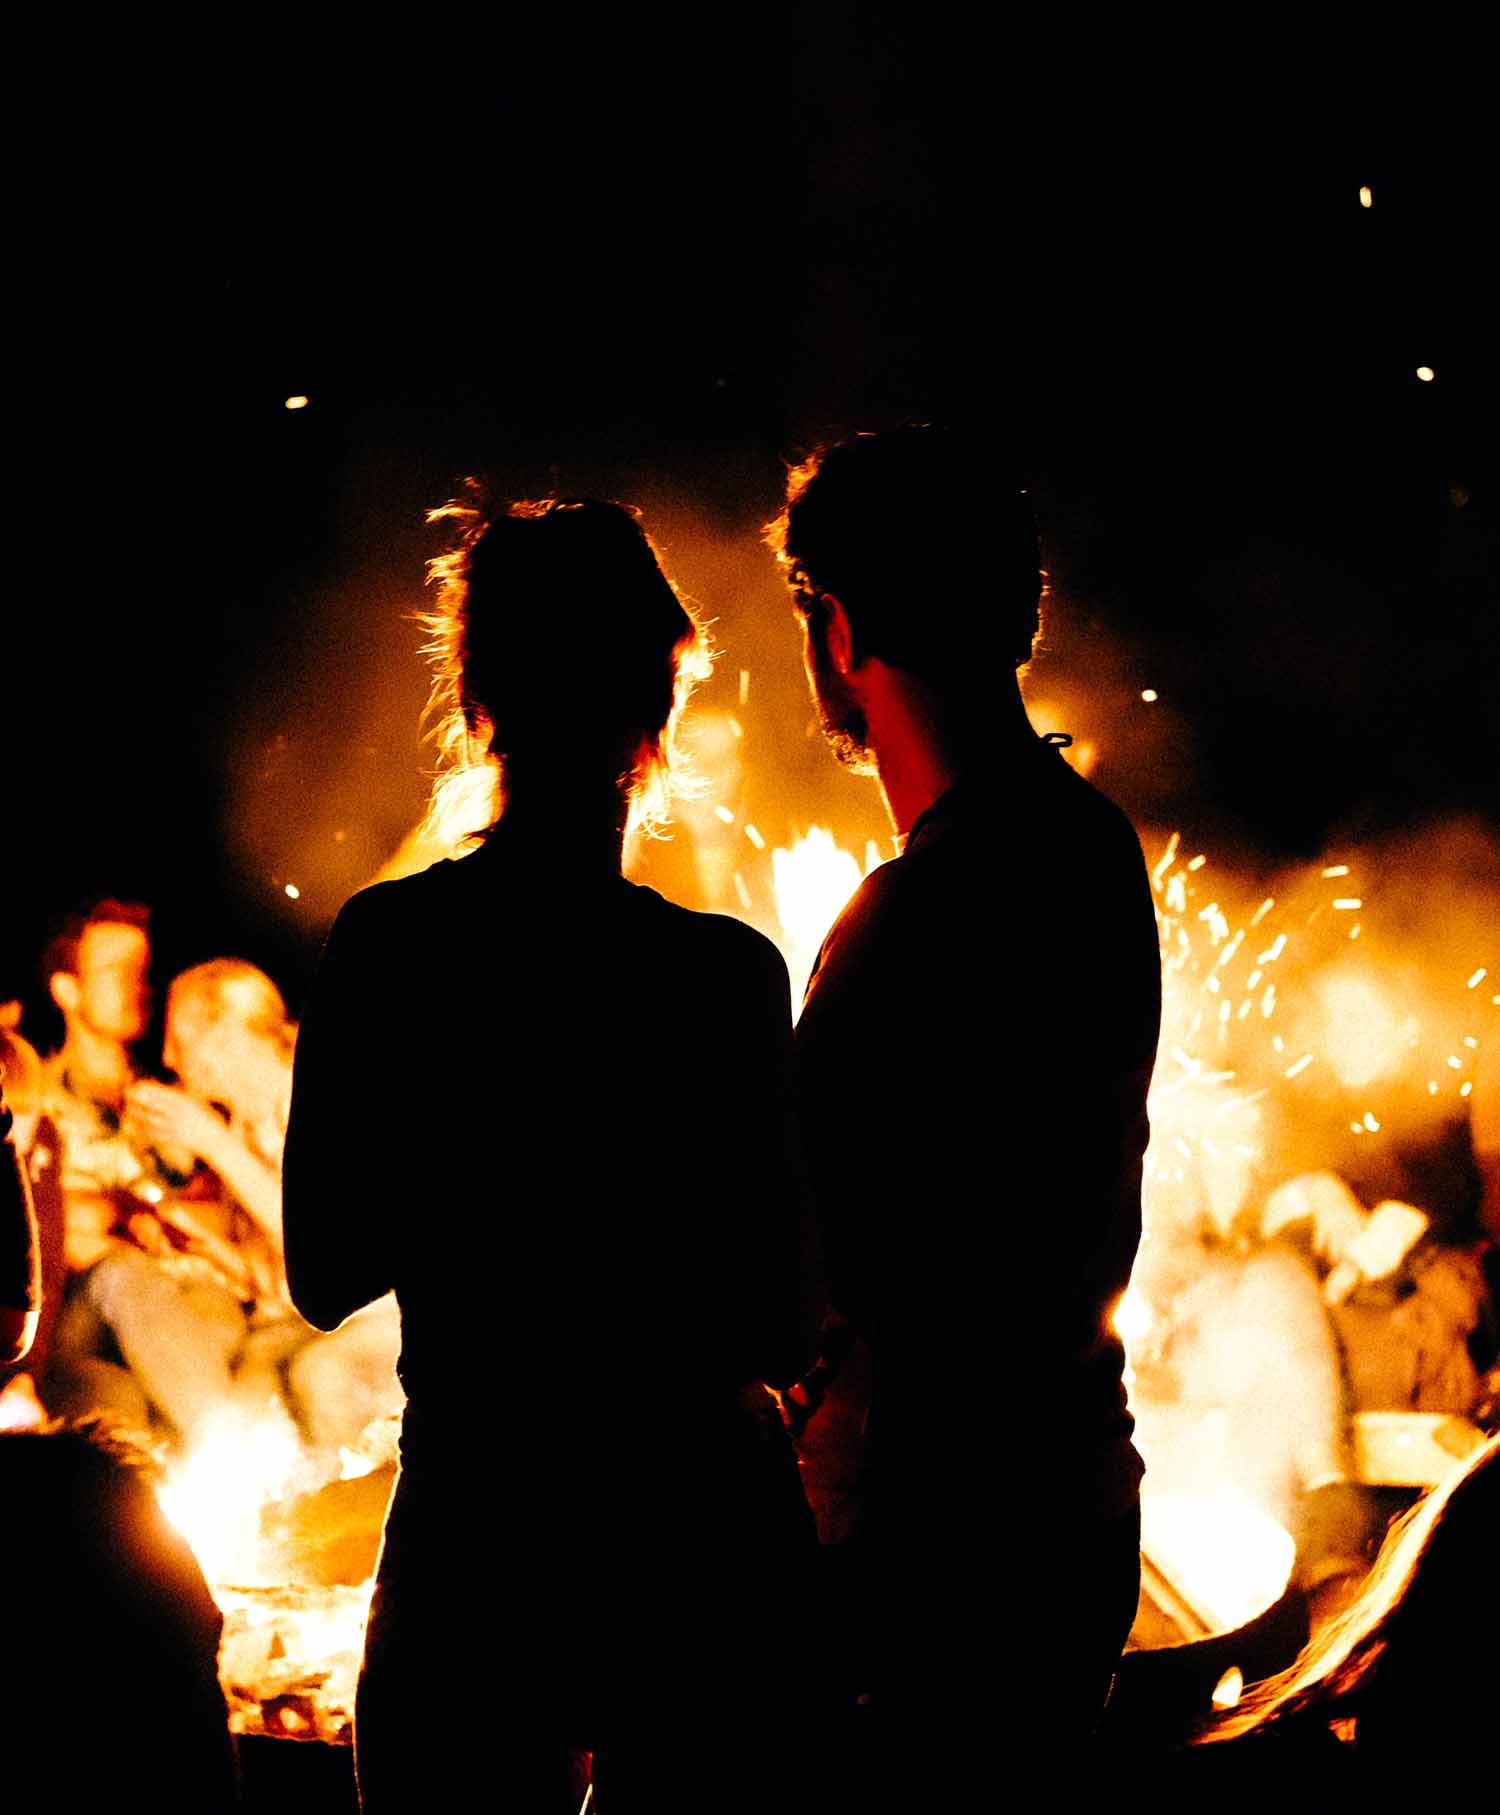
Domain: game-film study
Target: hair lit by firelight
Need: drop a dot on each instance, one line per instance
(559, 650)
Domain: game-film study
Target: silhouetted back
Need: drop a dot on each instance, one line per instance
(549, 1111)
(546, 1108)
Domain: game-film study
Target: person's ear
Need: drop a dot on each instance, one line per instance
(840, 636)
(65, 991)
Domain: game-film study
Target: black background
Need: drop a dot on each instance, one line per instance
(663, 277)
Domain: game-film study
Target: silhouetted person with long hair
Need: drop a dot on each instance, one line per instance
(972, 1064)
(579, 1200)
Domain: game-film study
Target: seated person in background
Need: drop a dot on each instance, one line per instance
(96, 973)
(1410, 1310)
(1410, 1672)
(111, 1694)
(198, 1305)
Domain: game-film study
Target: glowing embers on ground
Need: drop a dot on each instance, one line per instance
(289, 1657)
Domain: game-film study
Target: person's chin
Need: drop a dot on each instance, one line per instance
(847, 734)
(852, 755)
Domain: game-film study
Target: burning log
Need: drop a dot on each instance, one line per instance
(330, 1537)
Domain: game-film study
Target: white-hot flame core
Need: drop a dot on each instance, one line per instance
(1228, 1558)
(215, 1495)
(1133, 1317)
(813, 882)
(1364, 1036)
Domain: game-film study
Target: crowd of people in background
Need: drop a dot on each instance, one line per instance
(164, 1305)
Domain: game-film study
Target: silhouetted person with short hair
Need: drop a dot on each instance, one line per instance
(579, 1199)
(109, 1695)
(972, 1064)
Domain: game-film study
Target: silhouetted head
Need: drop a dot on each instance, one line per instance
(561, 648)
(933, 555)
(96, 970)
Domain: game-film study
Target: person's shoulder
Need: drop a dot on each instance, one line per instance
(389, 924)
(383, 904)
(1089, 801)
(717, 939)
(1090, 828)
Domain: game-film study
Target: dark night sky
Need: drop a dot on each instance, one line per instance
(1204, 362)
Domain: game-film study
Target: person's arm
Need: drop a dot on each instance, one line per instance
(168, 1116)
(20, 1263)
(337, 1178)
